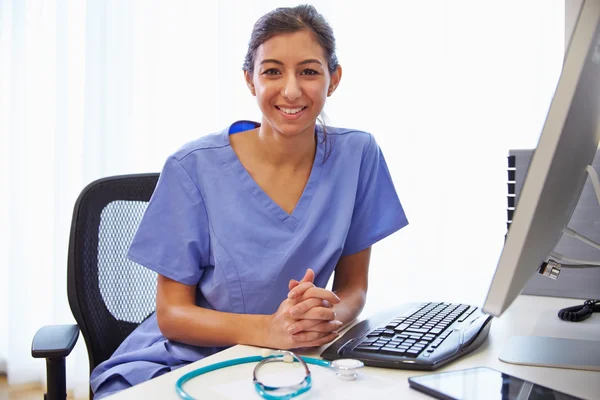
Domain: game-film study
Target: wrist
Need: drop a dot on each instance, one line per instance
(256, 331)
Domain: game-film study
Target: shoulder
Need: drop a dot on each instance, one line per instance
(350, 141)
(200, 157)
(354, 136)
(211, 142)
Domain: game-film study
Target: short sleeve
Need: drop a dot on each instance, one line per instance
(377, 209)
(172, 238)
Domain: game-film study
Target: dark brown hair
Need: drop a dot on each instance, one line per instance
(290, 20)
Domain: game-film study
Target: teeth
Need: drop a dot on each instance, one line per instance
(291, 110)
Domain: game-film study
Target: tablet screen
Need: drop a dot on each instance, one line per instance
(482, 383)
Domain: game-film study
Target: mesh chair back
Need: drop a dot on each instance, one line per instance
(108, 294)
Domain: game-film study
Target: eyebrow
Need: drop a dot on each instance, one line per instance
(274, 61)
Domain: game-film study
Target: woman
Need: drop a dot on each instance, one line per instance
(246, 226)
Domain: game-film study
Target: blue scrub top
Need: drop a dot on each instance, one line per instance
(209, 224)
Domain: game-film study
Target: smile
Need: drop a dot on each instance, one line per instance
(291, 111)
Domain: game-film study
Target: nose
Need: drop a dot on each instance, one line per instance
(291, 89)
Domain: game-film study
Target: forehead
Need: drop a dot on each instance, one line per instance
(291, 47)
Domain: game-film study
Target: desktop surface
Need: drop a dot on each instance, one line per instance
(529, 315)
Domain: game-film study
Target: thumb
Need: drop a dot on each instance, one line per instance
(309, 276)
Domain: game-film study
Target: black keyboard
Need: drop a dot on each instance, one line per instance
(422, 336)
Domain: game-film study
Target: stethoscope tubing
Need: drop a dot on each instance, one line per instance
(237, 361)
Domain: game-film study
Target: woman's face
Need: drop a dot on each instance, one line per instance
(291, 81)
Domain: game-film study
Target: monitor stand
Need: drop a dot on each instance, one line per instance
(546, 351)
(552, 352)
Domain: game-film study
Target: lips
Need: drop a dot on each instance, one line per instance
(291, 110)
(291, 113)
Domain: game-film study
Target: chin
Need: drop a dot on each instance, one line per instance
(290, 131)
(292, 128)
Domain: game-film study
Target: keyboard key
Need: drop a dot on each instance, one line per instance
(369, 340)
(417, 330)
(401, 327)
(446, 334)
(412, 353)
(467, 314)
(436, 331)
(369, 349)
(386, 350)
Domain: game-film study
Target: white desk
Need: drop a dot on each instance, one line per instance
(529, 315)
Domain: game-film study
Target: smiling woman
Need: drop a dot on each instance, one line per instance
(254, 220)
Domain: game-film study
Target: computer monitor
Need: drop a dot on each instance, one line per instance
(556, 174)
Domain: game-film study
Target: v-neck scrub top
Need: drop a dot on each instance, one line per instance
(209, 224)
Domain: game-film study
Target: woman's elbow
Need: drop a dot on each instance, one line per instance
(167, 322)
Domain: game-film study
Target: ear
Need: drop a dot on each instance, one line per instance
(248, 78)
(336, 77)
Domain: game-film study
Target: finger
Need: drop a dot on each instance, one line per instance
(303, 325)
(321, 326)
(320, 293)
(308, 336)
(320, 313)
(300, 289)
(318, 342)
(309, 276)
(299, 309)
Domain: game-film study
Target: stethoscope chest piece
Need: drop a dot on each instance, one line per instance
(347, 368)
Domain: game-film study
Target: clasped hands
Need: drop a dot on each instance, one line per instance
(306, 318)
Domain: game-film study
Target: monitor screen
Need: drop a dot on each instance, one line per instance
(558, 169)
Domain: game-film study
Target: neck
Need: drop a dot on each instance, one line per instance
(286, 151)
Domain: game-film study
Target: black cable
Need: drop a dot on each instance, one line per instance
(579, 313)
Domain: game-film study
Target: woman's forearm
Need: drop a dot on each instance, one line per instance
(199, 326)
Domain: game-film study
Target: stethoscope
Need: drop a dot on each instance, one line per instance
(345, 369)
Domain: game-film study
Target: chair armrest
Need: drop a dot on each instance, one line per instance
(54, 341)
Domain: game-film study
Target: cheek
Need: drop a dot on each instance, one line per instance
(317, 94)
(316, 88)
(265, 92)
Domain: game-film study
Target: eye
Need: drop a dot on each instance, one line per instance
(310, 71)
(271, 71)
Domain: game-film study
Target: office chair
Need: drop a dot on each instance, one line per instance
(109, 295)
